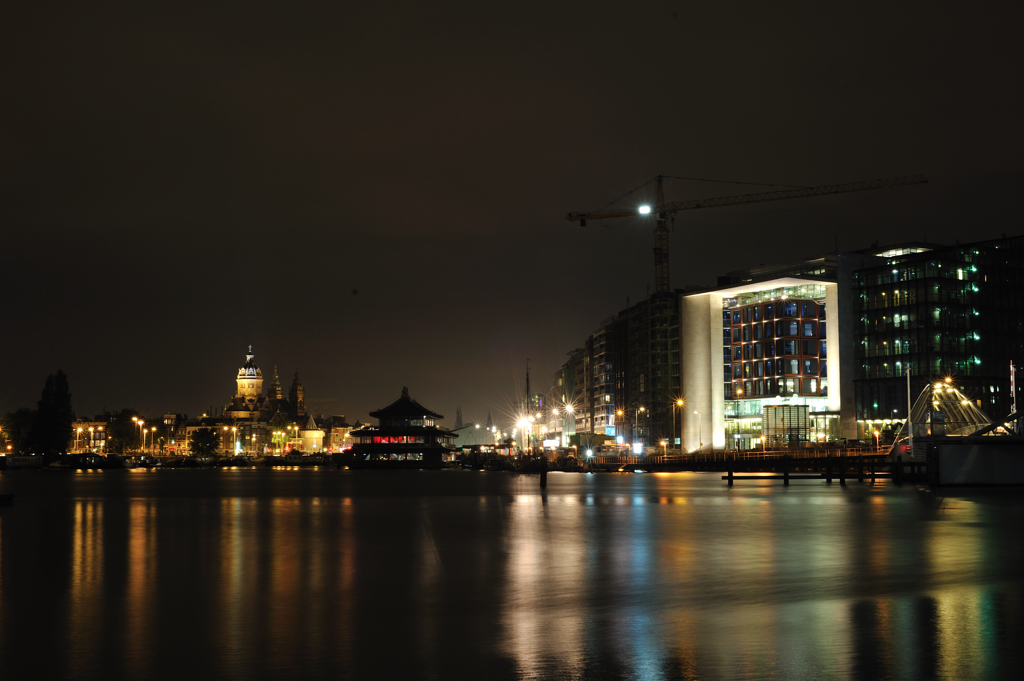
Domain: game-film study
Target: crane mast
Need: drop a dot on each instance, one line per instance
(662, 211)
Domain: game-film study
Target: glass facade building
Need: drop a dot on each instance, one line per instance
(954, 311)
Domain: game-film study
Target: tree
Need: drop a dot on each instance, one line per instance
(51, 431)
(122, 432)
(204, 442)
(17, 429)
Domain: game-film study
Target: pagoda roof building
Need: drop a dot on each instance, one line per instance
(406, 437)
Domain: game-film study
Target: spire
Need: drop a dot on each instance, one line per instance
(458, 417)
(490, 424)
(275, 390)
(528, 404)
(405, 392)
(297, 397)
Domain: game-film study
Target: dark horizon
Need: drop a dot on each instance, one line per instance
(377, 197)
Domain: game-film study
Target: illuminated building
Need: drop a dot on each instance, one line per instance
(955, 311)
(407, 435)
(249, 402)
(762, 346)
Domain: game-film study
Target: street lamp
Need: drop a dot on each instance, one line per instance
(679, 406)
(91, 432)
(636, 419)
(877, 447)
(700, 431)
(78, 435)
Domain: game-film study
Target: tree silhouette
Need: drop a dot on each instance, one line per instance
(51, 430)
(204, 442)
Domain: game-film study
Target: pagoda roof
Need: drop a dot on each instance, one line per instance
(404, 407)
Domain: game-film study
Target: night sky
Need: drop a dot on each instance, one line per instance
(375, 194)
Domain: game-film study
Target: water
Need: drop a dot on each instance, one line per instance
(312, 573)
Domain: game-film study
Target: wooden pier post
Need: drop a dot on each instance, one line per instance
(544, 477)
(785, 469)
(729, 467)
(842, 469)
(828, 468)
(860, 468)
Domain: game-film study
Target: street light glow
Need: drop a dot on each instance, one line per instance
(644, 209)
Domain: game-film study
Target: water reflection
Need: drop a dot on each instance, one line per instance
(271, 574)
(85, 601)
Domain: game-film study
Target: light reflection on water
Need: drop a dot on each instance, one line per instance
(253, 574)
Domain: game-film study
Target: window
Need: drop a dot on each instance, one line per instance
(746, 333)
(792, 366)
(748, 352)
(735, 316)
(808, 329)
(757, 313)
(746, 315)
(757, 351)
(789, 347)
(728, 372)
(821, 330)
(821, 311)
(824, 345)
(789, 308)
(810, 347)
(746, 370)
(737, 334)
(757, 332)
(737, 352)
(769, 311)
(759, 387)
(810, 367)
(769, 387)
(758, 369)
(769, 330)
(810, 386)
(769, 368)
(793, 328)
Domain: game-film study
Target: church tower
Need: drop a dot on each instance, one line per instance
(275, 391)
(297, 397)
(248, 399)
(250, 380)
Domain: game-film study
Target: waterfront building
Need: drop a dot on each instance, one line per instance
(90, 435)
(818, 350)
(407, 434)
(312, 437)
(760, 346)
(939, 311)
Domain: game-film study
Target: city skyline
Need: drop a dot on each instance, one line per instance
(378, 209)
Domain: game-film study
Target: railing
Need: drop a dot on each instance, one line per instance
(746, 455)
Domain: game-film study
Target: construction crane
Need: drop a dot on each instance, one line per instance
(662, 210)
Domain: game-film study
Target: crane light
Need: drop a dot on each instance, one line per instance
(645, 209)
